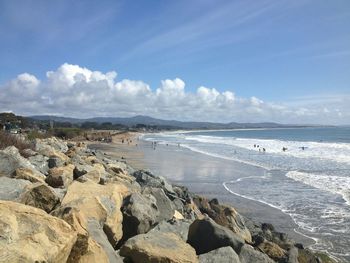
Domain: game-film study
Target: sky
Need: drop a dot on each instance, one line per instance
(225, 60)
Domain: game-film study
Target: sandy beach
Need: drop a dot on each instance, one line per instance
(202, 174)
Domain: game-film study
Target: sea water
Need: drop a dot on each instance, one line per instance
(309, 179)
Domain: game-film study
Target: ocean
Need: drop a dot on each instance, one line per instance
(306, 174)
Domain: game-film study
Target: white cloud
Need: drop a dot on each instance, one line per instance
(75, 91)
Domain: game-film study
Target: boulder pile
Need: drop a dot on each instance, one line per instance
(68, 203)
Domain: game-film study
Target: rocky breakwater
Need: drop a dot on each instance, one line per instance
(67, 203)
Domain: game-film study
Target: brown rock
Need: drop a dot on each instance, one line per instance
(30, 175)
(273, 250)
(94, 253)
(99, 202)
(158, 247)
(225, 216)
(60, 176)
(41, 196)
(29, 234)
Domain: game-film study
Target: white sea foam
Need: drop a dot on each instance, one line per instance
(338, 152)
(334, 184)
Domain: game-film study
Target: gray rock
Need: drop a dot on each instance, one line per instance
(40, 163)
(293, 255)
(205, 235)
(178, 227)
(222, 255)
(11, 189)
(41, 196)
(53, 142)
(249, 255)
(10, 160)
(165, 206)
(146, 178)
(96, 231)
(140, 214)
(80, 170)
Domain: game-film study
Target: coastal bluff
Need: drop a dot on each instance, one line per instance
(63, 202)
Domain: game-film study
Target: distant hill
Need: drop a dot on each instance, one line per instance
(171, 124)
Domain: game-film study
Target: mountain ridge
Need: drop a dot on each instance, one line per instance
(150, 121)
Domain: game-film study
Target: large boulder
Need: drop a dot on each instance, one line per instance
(222, 255)
(147, 179)
(29, 174)
(52, 150)
(94, 253)
(11, 189)
(40, 162)
(60, 176)
(249, 255)
(225, 216)
(140, 213)
(273, 250)
(164, 205)
(158, 247)
(52, 142)
(178, 227)
(205, 235)
(96, 231)
(100, 203)
(41, 196)
(10, 160)
(293, 255)
(29, 234)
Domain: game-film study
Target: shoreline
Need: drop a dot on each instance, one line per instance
(255, 210)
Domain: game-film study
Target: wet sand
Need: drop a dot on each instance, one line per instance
(203, 175)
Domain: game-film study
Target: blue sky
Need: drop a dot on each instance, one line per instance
(287, 53)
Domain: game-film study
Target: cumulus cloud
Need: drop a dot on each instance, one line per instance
(76, 91)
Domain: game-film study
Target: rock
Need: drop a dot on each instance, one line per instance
(11, 189)
(222, 255)
(272, 250)
(94, 253)
(60, 176)
(94, 176)
(146, 178)
(50, 151)
(80, 170)
(177, 215)
(268, 232)
(77, 221)
(52, 142)
(96, 232)
(205, 235)
(10, 160)
(100, 203)
(293, 255)
(29, 153)
(178, 227)
(249, 255)
(182, 193)
(55, 161)
(224, 215)
(29, 174)
(41, 196)
(29, 234)
(164, 205)
(158, 247)
(140, 214)
(40, 162)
